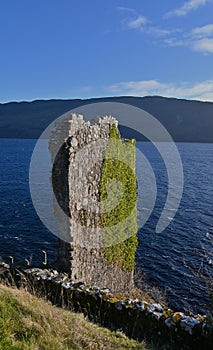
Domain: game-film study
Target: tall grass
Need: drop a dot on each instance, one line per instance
(27, 322)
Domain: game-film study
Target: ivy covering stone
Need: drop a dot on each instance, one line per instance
(120, 223)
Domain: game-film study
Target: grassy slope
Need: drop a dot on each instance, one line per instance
(27, 322)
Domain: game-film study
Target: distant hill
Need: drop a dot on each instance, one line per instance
(186, 121)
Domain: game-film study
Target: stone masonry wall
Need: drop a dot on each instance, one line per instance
(76, 177)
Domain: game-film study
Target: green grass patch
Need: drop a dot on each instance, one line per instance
(29, 323)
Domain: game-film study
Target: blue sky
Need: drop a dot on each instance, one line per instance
(82, 49)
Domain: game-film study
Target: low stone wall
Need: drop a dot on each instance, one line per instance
(135, 318)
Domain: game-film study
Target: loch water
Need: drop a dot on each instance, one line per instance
(177, 260)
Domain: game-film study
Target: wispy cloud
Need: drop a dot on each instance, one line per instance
(204, 45)
(173, 41)
(198, 39)
(128, 9)
(202, 38)
(137, 23)
(144, 25)
(202, 91)
(156, 32)
(187, 7)
(203, 31)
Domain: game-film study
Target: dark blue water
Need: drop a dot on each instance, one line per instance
(172, 260)
(180, 259)
(22, 234)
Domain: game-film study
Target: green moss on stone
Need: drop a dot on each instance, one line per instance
(119, 211)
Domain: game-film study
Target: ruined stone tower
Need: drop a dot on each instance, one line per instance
(87, 159)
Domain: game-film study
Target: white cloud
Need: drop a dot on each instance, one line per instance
(204, 45)
(143, 25)
(137, 23)
(203, 31)
(134, 86)
(121, 8)
(187, 7)
(198, 39)
(202, 91)
(155, 31)
(173, 41)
